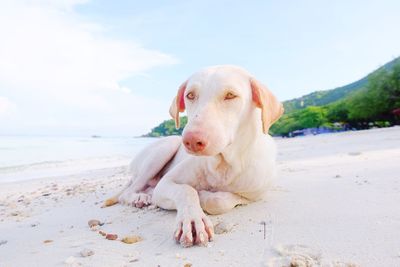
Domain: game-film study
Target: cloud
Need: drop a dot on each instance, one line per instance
(6, 107)
(63, 71)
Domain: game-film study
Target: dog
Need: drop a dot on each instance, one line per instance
(224, 158)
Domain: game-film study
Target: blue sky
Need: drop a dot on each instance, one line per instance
(77, 67)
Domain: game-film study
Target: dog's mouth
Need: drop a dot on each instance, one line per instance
(207, 152)
(204, 153)
(199, 153)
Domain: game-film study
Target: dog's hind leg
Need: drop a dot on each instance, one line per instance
(145, 171)
(219, 202)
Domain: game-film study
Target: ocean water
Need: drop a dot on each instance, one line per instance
(27, 157)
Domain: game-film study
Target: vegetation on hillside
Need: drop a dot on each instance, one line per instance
(320, 98)
(371, 105)
(167, 128)
(359, 105)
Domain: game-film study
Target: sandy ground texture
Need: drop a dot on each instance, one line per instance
(336, 203)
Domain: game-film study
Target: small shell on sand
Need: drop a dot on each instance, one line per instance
(86, 252)
(111, 236)
(47, 241)
(131, 239)
(187, 265)
(223, 227)
(94, 223)
(110, 202)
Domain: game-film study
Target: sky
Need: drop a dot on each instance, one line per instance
(112, 68)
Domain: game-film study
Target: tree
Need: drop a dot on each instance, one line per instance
(377, 100)
(337, 112)
(167, 128)
(311, 117)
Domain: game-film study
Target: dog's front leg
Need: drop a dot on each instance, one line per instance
(193, 227)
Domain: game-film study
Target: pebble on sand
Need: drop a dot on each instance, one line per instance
(131, 239)
(86, 252)
(15, 213)
(94, 223)
(223, 227)
(110, 202)
(111, 236)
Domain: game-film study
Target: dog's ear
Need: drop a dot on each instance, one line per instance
(178, 104)
(271, 108)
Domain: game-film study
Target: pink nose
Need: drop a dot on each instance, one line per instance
(194, 141)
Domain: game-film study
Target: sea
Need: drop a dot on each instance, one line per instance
(32, 157)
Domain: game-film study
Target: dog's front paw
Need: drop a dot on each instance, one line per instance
(138, 200)
(193, 229)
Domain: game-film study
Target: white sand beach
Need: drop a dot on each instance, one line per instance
(336, 203)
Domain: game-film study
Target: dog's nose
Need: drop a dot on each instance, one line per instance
(194, 141)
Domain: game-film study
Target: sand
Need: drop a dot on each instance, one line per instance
(336, 203)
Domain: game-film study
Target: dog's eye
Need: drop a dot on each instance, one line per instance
(229, 96)
(190, 96)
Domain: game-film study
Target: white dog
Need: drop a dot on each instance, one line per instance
(224, 158)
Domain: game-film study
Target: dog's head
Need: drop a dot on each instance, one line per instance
(220, 101)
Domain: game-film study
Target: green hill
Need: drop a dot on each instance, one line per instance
(361, 104)
(320, 98)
